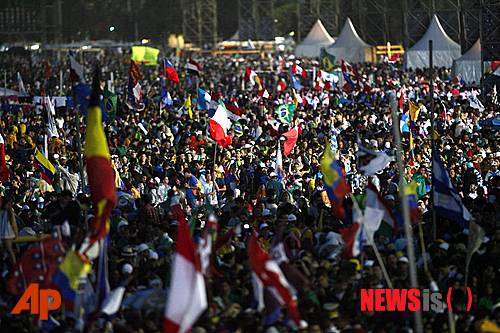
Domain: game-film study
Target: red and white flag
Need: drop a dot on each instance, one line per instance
(76, 70)
(266, 273)
(187, 298)
(264, 93)
(281, 85)
(254, 79)
(297, 70)
(219, 125)
(291, 140)
(4, 171)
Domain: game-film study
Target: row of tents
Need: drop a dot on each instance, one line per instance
(350, 47)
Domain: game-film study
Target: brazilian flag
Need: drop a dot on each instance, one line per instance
(327, 61)
(109, 101)
(285, 112)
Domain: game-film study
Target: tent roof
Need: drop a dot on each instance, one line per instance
(349, 37)
(235, 37)
(317, 35)
(474, 53)
(436, 33)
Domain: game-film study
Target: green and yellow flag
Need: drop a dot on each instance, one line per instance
(145, 55)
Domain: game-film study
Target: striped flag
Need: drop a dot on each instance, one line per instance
(99, 168)
(187, 298)
(42, 164)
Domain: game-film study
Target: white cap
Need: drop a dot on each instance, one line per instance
(292, 218)
(403, 259)
(127, 269)
(263, 225)
(122, 223)
(444, 246)
(142, 247)
(153, 255)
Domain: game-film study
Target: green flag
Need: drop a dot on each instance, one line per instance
(285, 112)
(110, 100)
(326, 60)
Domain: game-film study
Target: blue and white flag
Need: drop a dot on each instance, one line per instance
(203, 99)
(447, 201)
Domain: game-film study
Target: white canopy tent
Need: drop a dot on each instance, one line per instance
(468, 66)
(315, 40)
(349, 46)
(444, 49)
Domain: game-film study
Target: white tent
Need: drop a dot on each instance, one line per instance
(444, 49)
(315, 40)
(468, 66)
(349, 46)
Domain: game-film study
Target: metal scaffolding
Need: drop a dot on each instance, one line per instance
(199, 22)
(255, 19)
(490, 30)
(23, 20)
(308, 11)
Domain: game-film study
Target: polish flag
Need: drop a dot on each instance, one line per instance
(219, 124)
(281, 85)
(187, 298)
(4, 172)
(266, 273)
(297, 70)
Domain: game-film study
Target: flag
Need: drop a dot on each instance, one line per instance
(297, 99)
(51, 112)
(134, 87)
(67, 277)
(169, 71)
(295, 82)
(285, 112)
(205, 245)
(326, 60)
(76, 70)
(186, 299)
(328, 77)
(99, 169)
(370, 162)
(20, 84)
(112, 303)
(281, 85)
(145, 55)
(475, 240)
(376, 210)
(219, 125)
(447, 201)
(266, 273)
(264, 93)
(109, 103)
(414, 111)
(165, 98)
(278, 168)
(193, 67)
(102, 288)
(38, 264)
(474, 102)
(291, 140)
(333, 177)
(297, 70)
(4, 171)
(353, 236)
(254, 79)
(42, 164)
(410, 194)
(188, 107)
(203, 99)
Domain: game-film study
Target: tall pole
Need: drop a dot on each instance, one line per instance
(406, 208)
(431, 93)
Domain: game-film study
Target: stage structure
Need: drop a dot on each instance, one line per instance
(255, 19)
(199, 22)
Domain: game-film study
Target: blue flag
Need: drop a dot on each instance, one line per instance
(203, 99)
(295, 82)
(447, 201)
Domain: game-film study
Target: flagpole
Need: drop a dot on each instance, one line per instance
(406, 208)
(78, 141)
(60, 82)
(431, 89)
(372, 244)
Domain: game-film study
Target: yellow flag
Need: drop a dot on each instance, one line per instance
(187, 106)
(145, 55)
(414, 111)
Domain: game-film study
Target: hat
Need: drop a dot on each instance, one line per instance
(266, 212)
(128, 251)
(389, 197)
(153, 255)
(127, 269)
(292, 218)
(444, 246)
(263, 225)
(273, 174)
(142, 247)
(122, 223)
(403, 259)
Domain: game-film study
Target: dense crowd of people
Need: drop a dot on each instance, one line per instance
(162, 155)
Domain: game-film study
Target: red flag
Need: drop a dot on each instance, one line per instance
(291, 140)
(169, 71)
